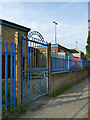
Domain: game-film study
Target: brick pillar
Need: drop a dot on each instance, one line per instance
(18, 67)
(49, 67)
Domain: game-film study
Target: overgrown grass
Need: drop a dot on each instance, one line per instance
(64, 88)
(61, 90)
(3, 93)
(12, 112)
(6, 112)
(80, 80)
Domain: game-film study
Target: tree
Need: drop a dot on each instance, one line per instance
(88, 45)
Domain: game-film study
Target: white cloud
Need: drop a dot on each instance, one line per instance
(67, 34)
(60, 8)
(34, 25)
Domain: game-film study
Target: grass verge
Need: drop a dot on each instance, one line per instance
(61, 90)
(64, 88)
(12, 112)
(80, 80)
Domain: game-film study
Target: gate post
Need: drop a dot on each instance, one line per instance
(18, 67)
(49, 68)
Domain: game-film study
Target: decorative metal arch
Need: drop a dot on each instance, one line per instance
(36, 33)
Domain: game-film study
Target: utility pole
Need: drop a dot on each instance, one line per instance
(55, 30)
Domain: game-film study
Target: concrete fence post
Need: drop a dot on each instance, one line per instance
(18, 67)
(49, 67)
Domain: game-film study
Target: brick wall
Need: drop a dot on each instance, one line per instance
(60, 79)
(11, 34)
(8, 34)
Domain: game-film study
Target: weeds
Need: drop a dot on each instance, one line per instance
(61, 90)
(11, 111)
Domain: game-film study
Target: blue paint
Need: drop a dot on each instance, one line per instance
(33, 68)
(58, 63)
(41, 43)
(47, 70)
(11, 74)
(0, 76)
(54, 45)
(21, 66)
(25, 69)
(37, 69)
(12, 54)
(28, 72)
(14, 26)
(14, 74)
(6, 72)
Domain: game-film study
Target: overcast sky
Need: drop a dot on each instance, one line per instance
(72, 19)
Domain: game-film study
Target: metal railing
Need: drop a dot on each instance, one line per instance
(66, 63)
(9, 80)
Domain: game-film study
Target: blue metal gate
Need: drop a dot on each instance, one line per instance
(34, 67)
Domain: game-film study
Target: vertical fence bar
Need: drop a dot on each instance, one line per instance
(60, 63)
(47, 68)
(25, 69)
(21, 66)
(35, 69)
(6, 72)
(14, 74)
(11, 74)
(64, 62)
(40, 68)
(28, 70)
(38, 71)
(0, 79)
(41, 73)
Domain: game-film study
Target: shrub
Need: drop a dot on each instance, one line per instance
(88, 69)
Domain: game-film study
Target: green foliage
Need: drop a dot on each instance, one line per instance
(15, 112)
(64, 88)
(80, 80)
(88, 20)
(11, 111)
(3, 92)
(4, 113)
(88, 45)
(88, 69)
(61, 90)
(79, 68)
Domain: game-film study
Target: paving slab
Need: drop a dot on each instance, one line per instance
(71, 104)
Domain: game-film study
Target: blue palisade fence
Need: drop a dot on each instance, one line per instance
(9, 83)
(65, 63)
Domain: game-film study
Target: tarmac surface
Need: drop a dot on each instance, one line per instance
(71, 104)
